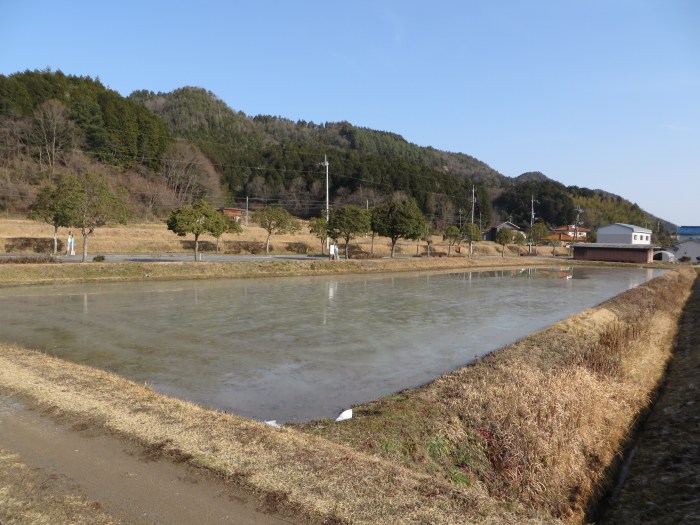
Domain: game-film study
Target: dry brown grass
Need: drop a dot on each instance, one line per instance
(663, 486)
(27, 273)
(537, 422)
(24, 236)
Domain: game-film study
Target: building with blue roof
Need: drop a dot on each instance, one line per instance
(685, 233)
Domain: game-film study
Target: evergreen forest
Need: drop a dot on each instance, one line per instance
(171, 149)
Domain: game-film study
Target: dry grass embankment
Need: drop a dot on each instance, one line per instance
(57, 273)
(539, 422)
(663, 486)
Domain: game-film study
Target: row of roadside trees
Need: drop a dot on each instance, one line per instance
(395, 221)
(86, 202)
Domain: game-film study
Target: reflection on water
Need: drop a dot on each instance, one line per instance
(299, 348)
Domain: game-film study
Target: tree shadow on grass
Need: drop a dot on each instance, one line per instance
(32, 244)
(204, 246)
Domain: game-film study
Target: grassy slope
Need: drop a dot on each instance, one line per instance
(663, 486)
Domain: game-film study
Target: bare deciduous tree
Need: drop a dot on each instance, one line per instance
(189, 174)
(53, 132)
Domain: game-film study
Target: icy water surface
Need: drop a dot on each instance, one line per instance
(299, 348)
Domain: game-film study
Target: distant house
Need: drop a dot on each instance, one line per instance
(686, 233)
(490, 234)
(571, 230)
(620, 233)
(236, 213)
(689, 248)
(563, 238)
(618, 243)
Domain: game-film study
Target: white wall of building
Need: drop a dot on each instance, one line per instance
(623, 234)
(689, 248)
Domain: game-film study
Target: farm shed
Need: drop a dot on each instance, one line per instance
(609, 252)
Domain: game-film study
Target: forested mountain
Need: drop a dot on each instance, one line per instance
(172, 148)
(51, 114)
(271, 159)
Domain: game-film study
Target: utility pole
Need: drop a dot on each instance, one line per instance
(246, 210)
(578, 211)
(473, 202)
(325, 163)
(460, 218)
(328, 209)
(532, 222)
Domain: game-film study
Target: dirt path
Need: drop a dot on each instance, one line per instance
(118, 478)
(663, 485)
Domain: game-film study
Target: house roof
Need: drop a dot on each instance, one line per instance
(628, 226)
(689, 230)
(559, 237)
(507, 224)
(569, 228)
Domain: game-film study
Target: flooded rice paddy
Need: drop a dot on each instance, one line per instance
(299, 348)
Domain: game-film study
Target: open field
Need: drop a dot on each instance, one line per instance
(525, 435)
(24, 236)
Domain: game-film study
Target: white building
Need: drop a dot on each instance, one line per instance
(689, 248)
(685, 233)
(620, 233)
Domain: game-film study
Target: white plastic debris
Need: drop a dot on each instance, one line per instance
(345, 414)
(273, 423)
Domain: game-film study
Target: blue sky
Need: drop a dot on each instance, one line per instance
(597, 93)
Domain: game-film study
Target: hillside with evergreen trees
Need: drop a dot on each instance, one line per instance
(168, 149)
